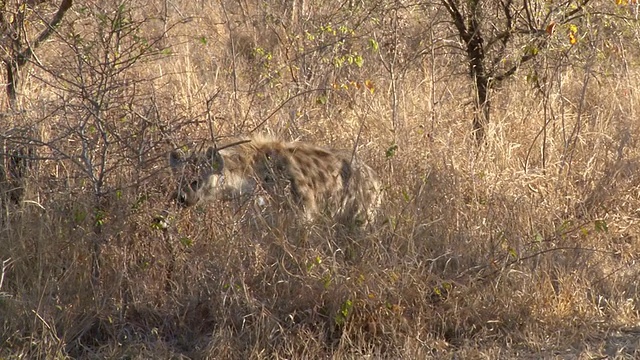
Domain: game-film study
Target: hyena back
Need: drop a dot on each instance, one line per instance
(314, 179)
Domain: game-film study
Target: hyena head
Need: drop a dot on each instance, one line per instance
(205, 177)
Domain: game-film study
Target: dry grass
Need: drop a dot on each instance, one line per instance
(525, 247)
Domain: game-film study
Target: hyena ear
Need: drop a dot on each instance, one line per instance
(215, 159)
(177, 159)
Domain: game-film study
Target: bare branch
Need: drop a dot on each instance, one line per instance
(27, 53)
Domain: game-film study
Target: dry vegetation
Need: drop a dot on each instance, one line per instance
(525, 246)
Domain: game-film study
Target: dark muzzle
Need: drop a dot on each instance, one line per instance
(188, 196)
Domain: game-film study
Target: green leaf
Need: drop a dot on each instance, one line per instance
(531, 50)
(538, 238)
(601, 226)
(185, 241)
(100, 217)
(359, 61)
(374, 44)
(345, 308)
(344, 312)
(564, 226)
(321, 100)
(326, 281)
(405, 195)
(391, 151)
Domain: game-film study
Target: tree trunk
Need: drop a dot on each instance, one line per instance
(475, 53)
(482, 107)
(12, 82)
(22, 50)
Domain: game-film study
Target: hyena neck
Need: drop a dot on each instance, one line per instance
(234, 185)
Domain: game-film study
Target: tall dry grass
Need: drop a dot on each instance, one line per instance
(523, 247)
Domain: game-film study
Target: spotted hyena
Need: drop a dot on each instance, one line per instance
(307, 177)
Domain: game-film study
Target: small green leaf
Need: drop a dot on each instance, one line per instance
(601, 226)
(326, 281)
(100, 218)
(346, 307)
(564, 226)
(405, 195)
(344, 312)
(321, 100)
(185, 241)
(391, 151)
(531, 50)
(359, 61)
(374, 44)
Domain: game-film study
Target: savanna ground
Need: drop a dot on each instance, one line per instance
(522, 244)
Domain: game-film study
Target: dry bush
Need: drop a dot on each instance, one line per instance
(523, 247)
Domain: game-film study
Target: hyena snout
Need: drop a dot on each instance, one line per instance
(180, 198)
(187, 196)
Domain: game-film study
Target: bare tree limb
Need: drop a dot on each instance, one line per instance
(27, 53)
